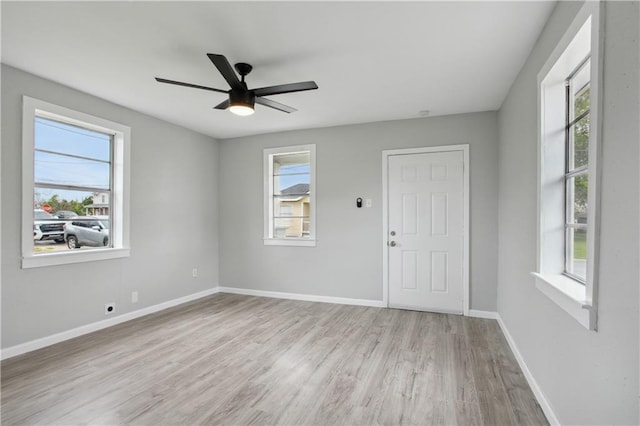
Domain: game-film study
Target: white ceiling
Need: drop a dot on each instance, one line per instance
(372, 61)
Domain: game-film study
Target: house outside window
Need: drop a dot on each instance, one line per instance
(570, 99)
(99, 205)
(289, 188)
(70, 161)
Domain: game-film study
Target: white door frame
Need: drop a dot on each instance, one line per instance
(385, 215)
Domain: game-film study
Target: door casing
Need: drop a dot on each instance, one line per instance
(385, 215)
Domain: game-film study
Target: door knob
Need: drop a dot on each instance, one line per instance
(392, 243)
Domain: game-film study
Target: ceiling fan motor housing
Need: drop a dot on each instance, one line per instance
(241, 98)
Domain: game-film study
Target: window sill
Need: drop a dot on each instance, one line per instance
(290, 242)
(569, 295)
(54, 259)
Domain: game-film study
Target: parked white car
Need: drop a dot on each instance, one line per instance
(47, 227)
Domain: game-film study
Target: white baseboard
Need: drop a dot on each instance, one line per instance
(483, 314)
(99, 325)
(305, 297)
(542, 400)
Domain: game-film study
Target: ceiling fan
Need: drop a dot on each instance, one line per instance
(242, 99)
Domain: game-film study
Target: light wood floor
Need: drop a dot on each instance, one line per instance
(230, 359)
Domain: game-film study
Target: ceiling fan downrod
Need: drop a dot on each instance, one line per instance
(243, 69)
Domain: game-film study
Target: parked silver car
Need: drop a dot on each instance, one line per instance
(86, 231)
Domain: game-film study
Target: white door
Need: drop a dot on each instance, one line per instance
(426, 231)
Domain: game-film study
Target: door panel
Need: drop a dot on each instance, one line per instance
(426, 231)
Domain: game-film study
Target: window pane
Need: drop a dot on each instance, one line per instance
(291, 216)
(67, 139)
(577, 196)
(291, 206)
(577, 252)
(295, 227)
(286, 164)
(65, 170)
(291, 174)
(291, 185)
(579, 144)
(72, 213)
(580, 85)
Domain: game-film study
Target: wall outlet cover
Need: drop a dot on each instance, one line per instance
(109, 308)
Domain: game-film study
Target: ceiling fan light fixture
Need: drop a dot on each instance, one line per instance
(241, 103)
(241, 110)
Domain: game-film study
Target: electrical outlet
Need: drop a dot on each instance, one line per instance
(134, 297)
(109, 308)
(194, 272)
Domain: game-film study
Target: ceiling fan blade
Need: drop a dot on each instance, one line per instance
(275, 105)
(226, 70)
(222, 105)
(285, 88)
(195, 86)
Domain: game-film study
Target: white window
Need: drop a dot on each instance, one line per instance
(568, 178)
(576, 177)
(289, 196)
(68, 158)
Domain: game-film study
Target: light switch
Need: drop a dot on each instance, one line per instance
(367, 202)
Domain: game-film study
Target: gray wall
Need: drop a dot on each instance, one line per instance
(174, 224)
(588, 377)
(347, 261)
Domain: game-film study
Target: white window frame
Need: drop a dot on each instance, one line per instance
(583, 38)
(572, 172)
(269, 238)
(119, 232)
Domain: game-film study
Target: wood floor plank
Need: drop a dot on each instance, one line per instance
(231, 359)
